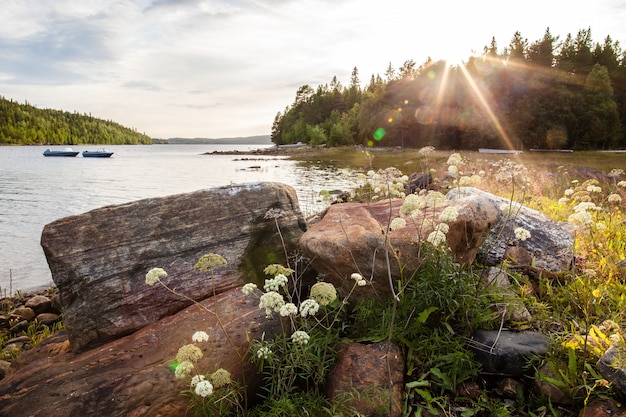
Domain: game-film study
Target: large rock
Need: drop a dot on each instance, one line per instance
(550, 247)
(132, 376)
(99, 259)
(351, 237)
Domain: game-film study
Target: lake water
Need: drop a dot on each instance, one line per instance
(36, 190)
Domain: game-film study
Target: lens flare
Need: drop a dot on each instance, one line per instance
(379, 134)
(424, 115)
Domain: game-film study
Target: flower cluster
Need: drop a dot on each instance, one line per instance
(309, 307)
(154, 275)
(300, 337)
(360, 281)
(271, 301)
(209, 261)
(249, 288)
(188, 353)
(276, 283)
(324, 293)
(264, 352)
(521, 233)
(200, 336)
(289, 309)
(382, 184)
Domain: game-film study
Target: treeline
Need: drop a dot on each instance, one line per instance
(23, 124)
(544, 94)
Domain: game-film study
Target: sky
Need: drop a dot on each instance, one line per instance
(225, 68)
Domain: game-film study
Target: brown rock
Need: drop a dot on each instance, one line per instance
(603, 408)
(131, 376)
(48, 319)
(39, 304)
(366, 369)
(99, 259)
(25, 313)
(351, 238)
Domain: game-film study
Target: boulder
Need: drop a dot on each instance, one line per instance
(368, 369)
(550, 246)
(351, 237)
(507, 353)
(132, 376)
(99, 259)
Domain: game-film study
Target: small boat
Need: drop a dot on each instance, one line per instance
(100, 153)
(64, 152)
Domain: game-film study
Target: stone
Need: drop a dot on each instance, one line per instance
(368, 369)
(4, 368)
(48, 319)
(556, 394)
(39, 304)
(24, 313)
(603, 408)
(512, 307)
(612, 366)
(99, 259)
(131, 376)
(351, 238)
(506, 352)
(550, 247)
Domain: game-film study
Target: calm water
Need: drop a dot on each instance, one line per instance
(36, 190)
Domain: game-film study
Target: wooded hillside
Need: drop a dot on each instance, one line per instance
(23, 124)
(545, 94)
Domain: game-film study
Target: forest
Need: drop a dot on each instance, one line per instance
(24, 124)
(547, 94)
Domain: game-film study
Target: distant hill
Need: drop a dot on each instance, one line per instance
(24, 124)
(252, 140)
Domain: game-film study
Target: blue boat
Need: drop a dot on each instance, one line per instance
(100, 153)
(65, 152)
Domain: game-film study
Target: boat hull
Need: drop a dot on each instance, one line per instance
(48, 152)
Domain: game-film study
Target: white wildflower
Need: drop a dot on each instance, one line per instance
(324, 293)
(437, 238)
(264, 352)
(582, 218)
(271, 301)
(621, 184)
(521, 233)
(289, 309)
(452, 169)
(455, 159)
(249, 288)
(397, 223)
(276, 283)
(183, 369)
(568, 192)
(614, 199)
(204, 388)
(309, 307)
(300, 337)
(154, 275)
(200, 336)
(196, 379)
(449, 214)
(594, 189)
(443, 228)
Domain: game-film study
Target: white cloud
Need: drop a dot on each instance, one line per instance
(224, 68)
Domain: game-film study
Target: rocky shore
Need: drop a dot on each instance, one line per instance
(26, 319)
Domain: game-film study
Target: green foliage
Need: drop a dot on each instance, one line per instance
(544, 94)
(23, 124)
